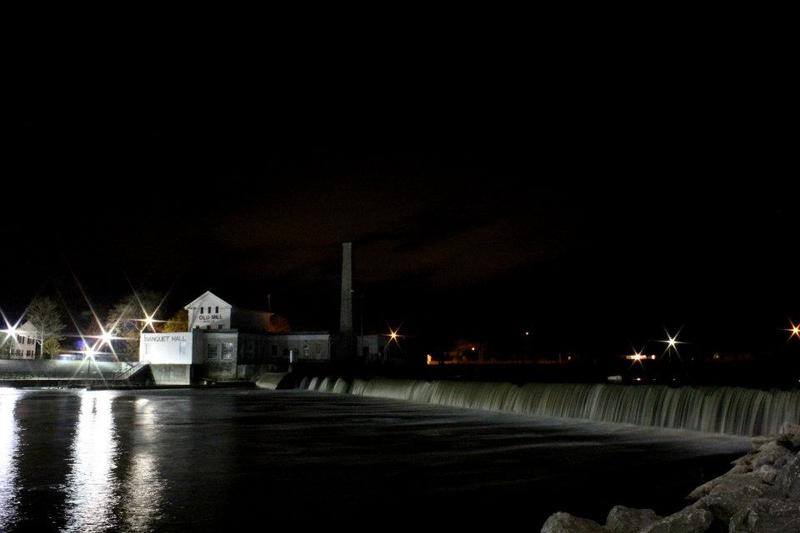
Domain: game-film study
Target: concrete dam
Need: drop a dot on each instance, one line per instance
(725, 410)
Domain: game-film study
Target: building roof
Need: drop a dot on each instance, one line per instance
(27, 329)
(208, 295)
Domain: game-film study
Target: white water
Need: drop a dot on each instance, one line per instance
(731, 410)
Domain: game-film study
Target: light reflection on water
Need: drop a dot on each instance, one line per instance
(9, 440)
(143, 486)
(90, 485)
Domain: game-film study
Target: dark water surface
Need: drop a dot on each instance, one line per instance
(216, 460)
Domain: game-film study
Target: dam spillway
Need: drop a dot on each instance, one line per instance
(728, 410)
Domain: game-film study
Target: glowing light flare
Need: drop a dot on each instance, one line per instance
(89, 352)
(10, 329)
(394, 335)
(794, 330)
(149, 321)
(637, 357)
(672, 342)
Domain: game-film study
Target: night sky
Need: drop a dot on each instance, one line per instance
(593, 210)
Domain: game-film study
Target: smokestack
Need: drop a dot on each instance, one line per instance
(346, 316)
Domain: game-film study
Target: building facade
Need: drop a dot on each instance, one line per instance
(22, 343)
(227, 343)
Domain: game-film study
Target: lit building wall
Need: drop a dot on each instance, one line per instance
(209, 311)
(171, 348)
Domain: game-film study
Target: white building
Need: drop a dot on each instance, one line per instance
(228, 343)
(22, 344)
(209, 311)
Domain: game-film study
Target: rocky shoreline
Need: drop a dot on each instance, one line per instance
(760, 494)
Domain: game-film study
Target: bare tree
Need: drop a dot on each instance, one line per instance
(46, 318)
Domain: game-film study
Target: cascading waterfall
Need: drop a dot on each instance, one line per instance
(731, 410)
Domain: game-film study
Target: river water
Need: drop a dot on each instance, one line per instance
(216, 460)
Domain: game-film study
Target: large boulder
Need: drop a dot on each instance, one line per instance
(788, 479)
(767, 516)
(566, 523)
(689, 520)
(732, 491)
(772, 454)
(623, 519)
(790, 436)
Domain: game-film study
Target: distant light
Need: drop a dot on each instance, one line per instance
(637, 356)
(637, 379)
(527, 333)
(569, 358)
(473, 348)
(430, 359)
(148, 321)
(10, 331)
(653, 356)
(672, 342)
(106, 337)
(89, 352)
(794, 330)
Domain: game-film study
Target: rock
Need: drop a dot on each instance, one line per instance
(774, 454)
(733, 491)
(745, 460)
(787, 479)
(790, 436)
(566, 523)
(767, 516)
(623, 519)
(738, 475)
(758, 442)
(689, 520)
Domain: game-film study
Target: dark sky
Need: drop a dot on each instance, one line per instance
(591, 204)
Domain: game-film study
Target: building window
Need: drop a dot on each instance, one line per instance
(365, 351)
(274, 350)
(219, 327)
(227, 351)
(216, 310)
(212, 351)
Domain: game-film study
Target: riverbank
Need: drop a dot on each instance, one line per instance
(760, 494)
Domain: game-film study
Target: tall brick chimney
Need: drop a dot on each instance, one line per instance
(346, 313)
